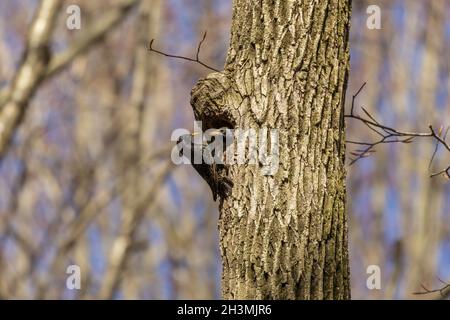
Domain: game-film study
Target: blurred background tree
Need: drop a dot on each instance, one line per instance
(87, 178)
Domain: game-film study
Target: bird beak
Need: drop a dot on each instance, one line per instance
(197, 137)
(215, 132)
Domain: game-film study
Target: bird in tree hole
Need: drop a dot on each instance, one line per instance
(203, 154)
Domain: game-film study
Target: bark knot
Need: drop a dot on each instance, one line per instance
(212, 103)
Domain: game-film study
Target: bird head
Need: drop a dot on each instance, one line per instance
(225, 133)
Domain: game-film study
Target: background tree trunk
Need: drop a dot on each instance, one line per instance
(284, 236)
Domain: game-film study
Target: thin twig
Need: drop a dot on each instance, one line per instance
(443, 292)
(196, 59)
(391, 135)
(355, 95)
(445, 171)
(436, 148)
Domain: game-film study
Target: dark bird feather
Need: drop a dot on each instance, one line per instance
(210, 171)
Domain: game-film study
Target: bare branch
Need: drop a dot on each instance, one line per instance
(437, 148)
(391, 135)
(14, 100)
(123, 244)
(196, 59)
(31, 72)
(355, 95)
(444, 292)
(91, 36)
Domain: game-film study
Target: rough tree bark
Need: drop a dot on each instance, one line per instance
(284, 236)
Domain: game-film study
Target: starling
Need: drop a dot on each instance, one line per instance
(209, 170)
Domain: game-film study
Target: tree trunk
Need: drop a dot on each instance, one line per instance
(284, 235)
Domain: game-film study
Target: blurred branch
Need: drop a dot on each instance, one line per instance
(391, 135)
(92, 36)
(196, 59)
(90, 211)
(123, 244)
(136, 198)
(31, 71)
(38, 64)
(97, 204)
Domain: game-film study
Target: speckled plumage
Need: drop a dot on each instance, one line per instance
(210, 171)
